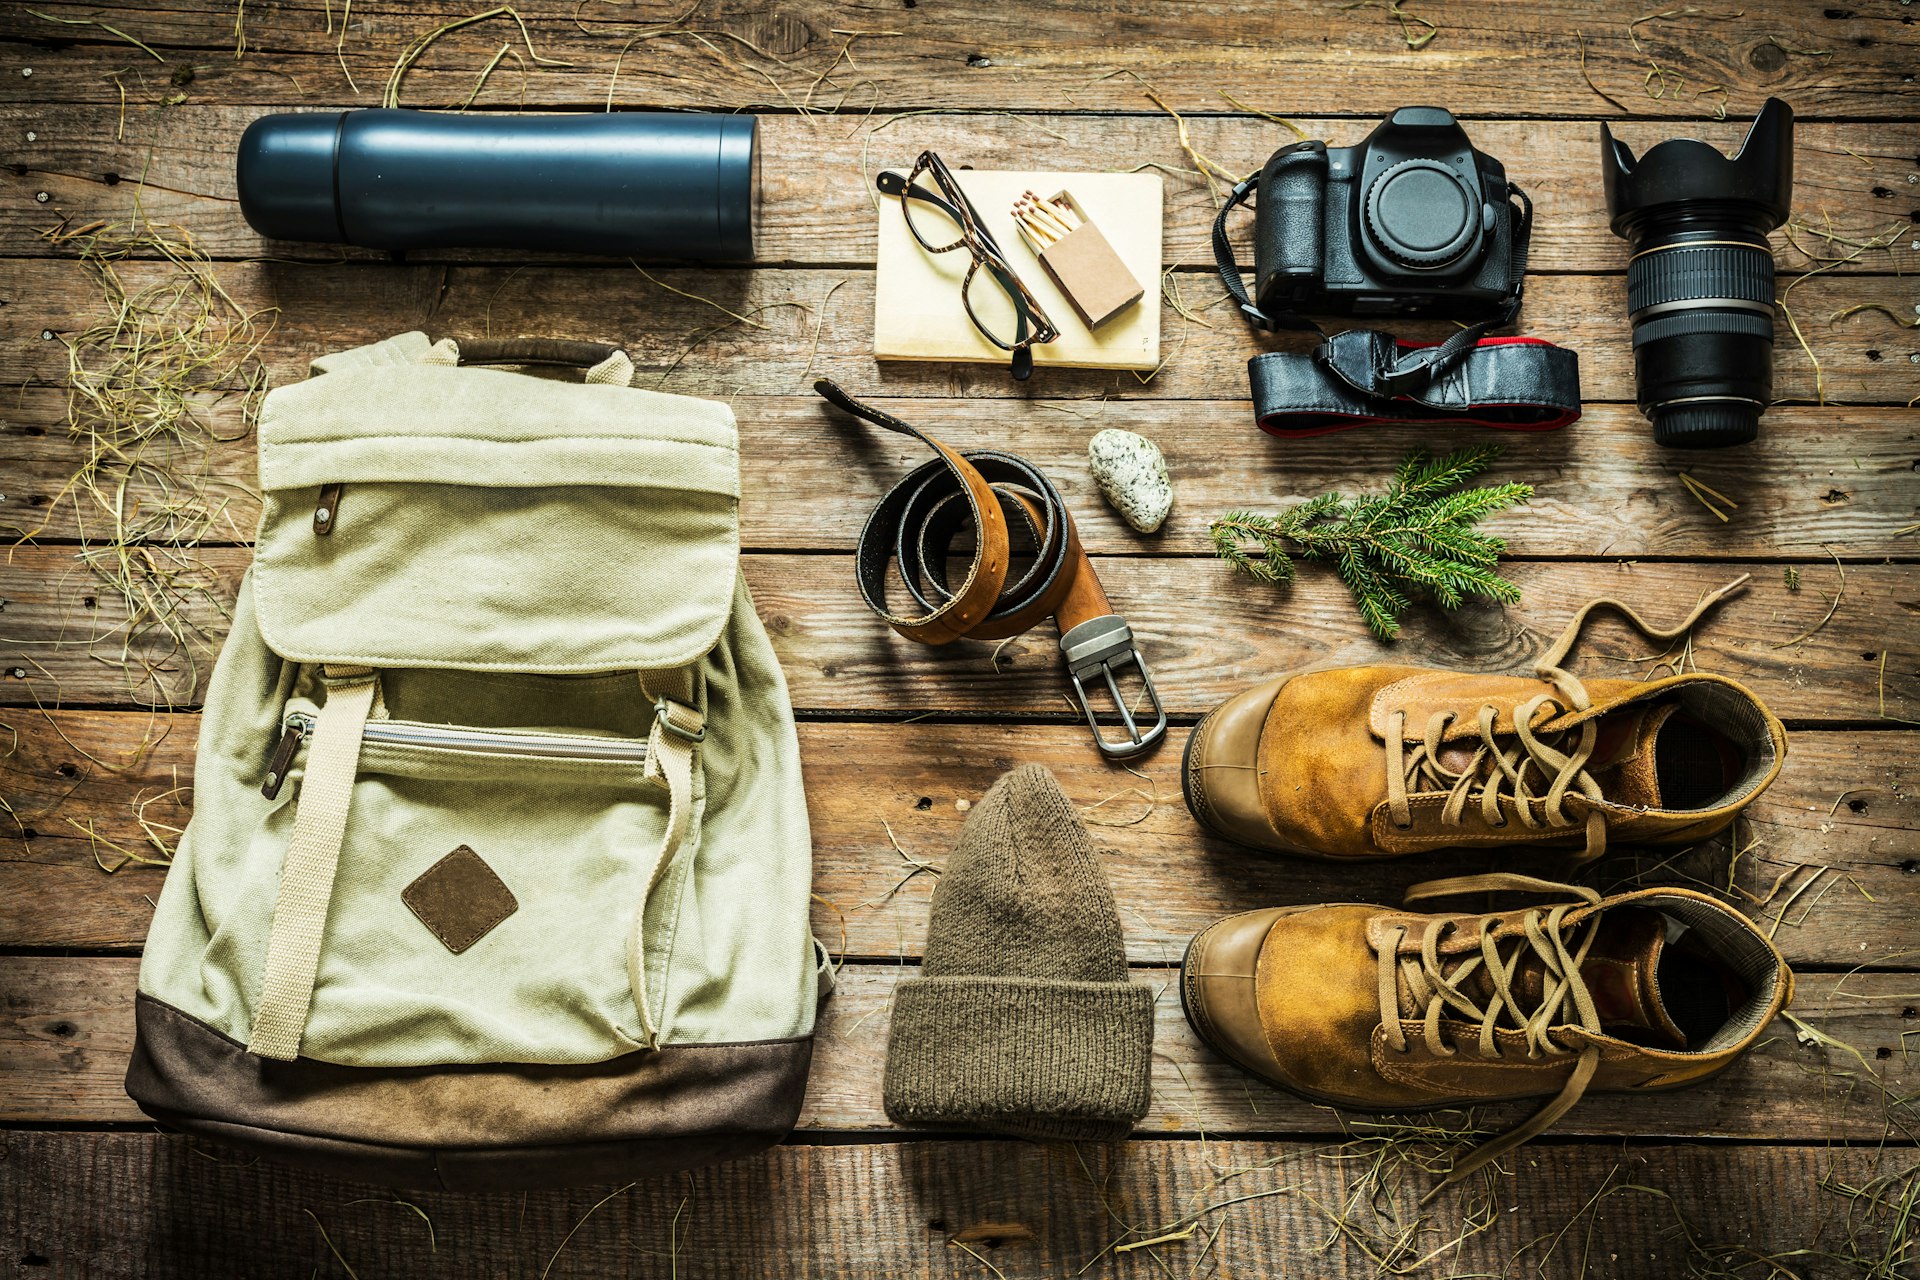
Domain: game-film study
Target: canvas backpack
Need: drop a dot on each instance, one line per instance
(499, 865)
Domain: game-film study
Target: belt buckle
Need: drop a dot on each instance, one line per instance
(1100, 646)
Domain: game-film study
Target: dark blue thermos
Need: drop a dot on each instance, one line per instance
(624, 184)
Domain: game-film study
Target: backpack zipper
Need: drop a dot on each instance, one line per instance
(497, 742)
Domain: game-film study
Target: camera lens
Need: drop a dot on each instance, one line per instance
(1701, 304)
(1700, 282)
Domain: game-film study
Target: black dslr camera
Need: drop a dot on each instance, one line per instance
(1412, 222)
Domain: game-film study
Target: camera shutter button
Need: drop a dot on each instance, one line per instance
(1422, 215)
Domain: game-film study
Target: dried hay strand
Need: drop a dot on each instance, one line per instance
(143, 381)
(420, 44)
(110, 30)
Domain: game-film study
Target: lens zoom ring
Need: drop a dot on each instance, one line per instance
(1681, 323)
(1710, 271)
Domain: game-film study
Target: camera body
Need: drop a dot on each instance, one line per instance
(1414, 221)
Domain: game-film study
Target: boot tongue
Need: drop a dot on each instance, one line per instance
(1623, 761)
(1622, 974)
(1621, 971)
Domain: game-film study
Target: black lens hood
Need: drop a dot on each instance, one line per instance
(1684, 171)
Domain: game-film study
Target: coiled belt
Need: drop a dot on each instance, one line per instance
(910, 533)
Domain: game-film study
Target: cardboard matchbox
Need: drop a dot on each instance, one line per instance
(1088, 270)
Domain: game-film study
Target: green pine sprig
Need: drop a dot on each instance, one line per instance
(1415, 540)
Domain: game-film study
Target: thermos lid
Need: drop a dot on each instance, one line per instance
(737, 187)
(286, 176)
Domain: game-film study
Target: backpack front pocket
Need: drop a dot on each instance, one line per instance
(487, 884)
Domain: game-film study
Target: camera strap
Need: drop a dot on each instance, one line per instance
(1229, 267)
(1355, 379)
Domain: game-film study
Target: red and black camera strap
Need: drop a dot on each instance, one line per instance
(1365, 376)
(1516, 384)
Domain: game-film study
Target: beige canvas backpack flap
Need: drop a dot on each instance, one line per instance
(499, 864)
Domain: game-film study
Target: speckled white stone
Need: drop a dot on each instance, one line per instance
(1132, 474)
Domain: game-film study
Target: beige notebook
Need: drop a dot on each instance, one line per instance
(918, 313)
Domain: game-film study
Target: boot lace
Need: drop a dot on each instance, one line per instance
(1504, 778)
(1437, 983)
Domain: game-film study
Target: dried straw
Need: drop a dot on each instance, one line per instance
(420, 44)
(110, 30)
(143, 381)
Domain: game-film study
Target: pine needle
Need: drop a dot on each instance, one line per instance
(1417, 539)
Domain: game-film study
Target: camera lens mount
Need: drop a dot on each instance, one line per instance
(1422, 214)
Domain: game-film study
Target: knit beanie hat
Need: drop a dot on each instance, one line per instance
(1022, 1020)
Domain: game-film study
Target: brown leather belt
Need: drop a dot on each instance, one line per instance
(910, 534)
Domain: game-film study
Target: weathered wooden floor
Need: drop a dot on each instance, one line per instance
(1798, 1162)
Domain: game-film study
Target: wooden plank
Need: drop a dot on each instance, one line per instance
(1815, 481)
(177, 163)
(1284, 55)
(1205, 632)
(819, 323)
(898, 1209)
(68, 1032)
(1845, 801)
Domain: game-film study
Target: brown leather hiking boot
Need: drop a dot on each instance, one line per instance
(1386, 1010)
(1378, 761)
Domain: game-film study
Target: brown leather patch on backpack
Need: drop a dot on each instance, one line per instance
(460, 899)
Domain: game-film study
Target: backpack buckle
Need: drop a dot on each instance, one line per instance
(1100, 647)
(663, 709)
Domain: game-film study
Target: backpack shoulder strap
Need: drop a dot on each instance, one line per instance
(313, 856)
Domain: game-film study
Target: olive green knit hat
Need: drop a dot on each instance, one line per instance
(1022, 1020)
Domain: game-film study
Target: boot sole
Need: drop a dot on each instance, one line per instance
(1186, 775)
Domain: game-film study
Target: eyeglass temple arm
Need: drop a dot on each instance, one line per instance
(892, 184)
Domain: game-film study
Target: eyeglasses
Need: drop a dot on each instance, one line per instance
(942, 219)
